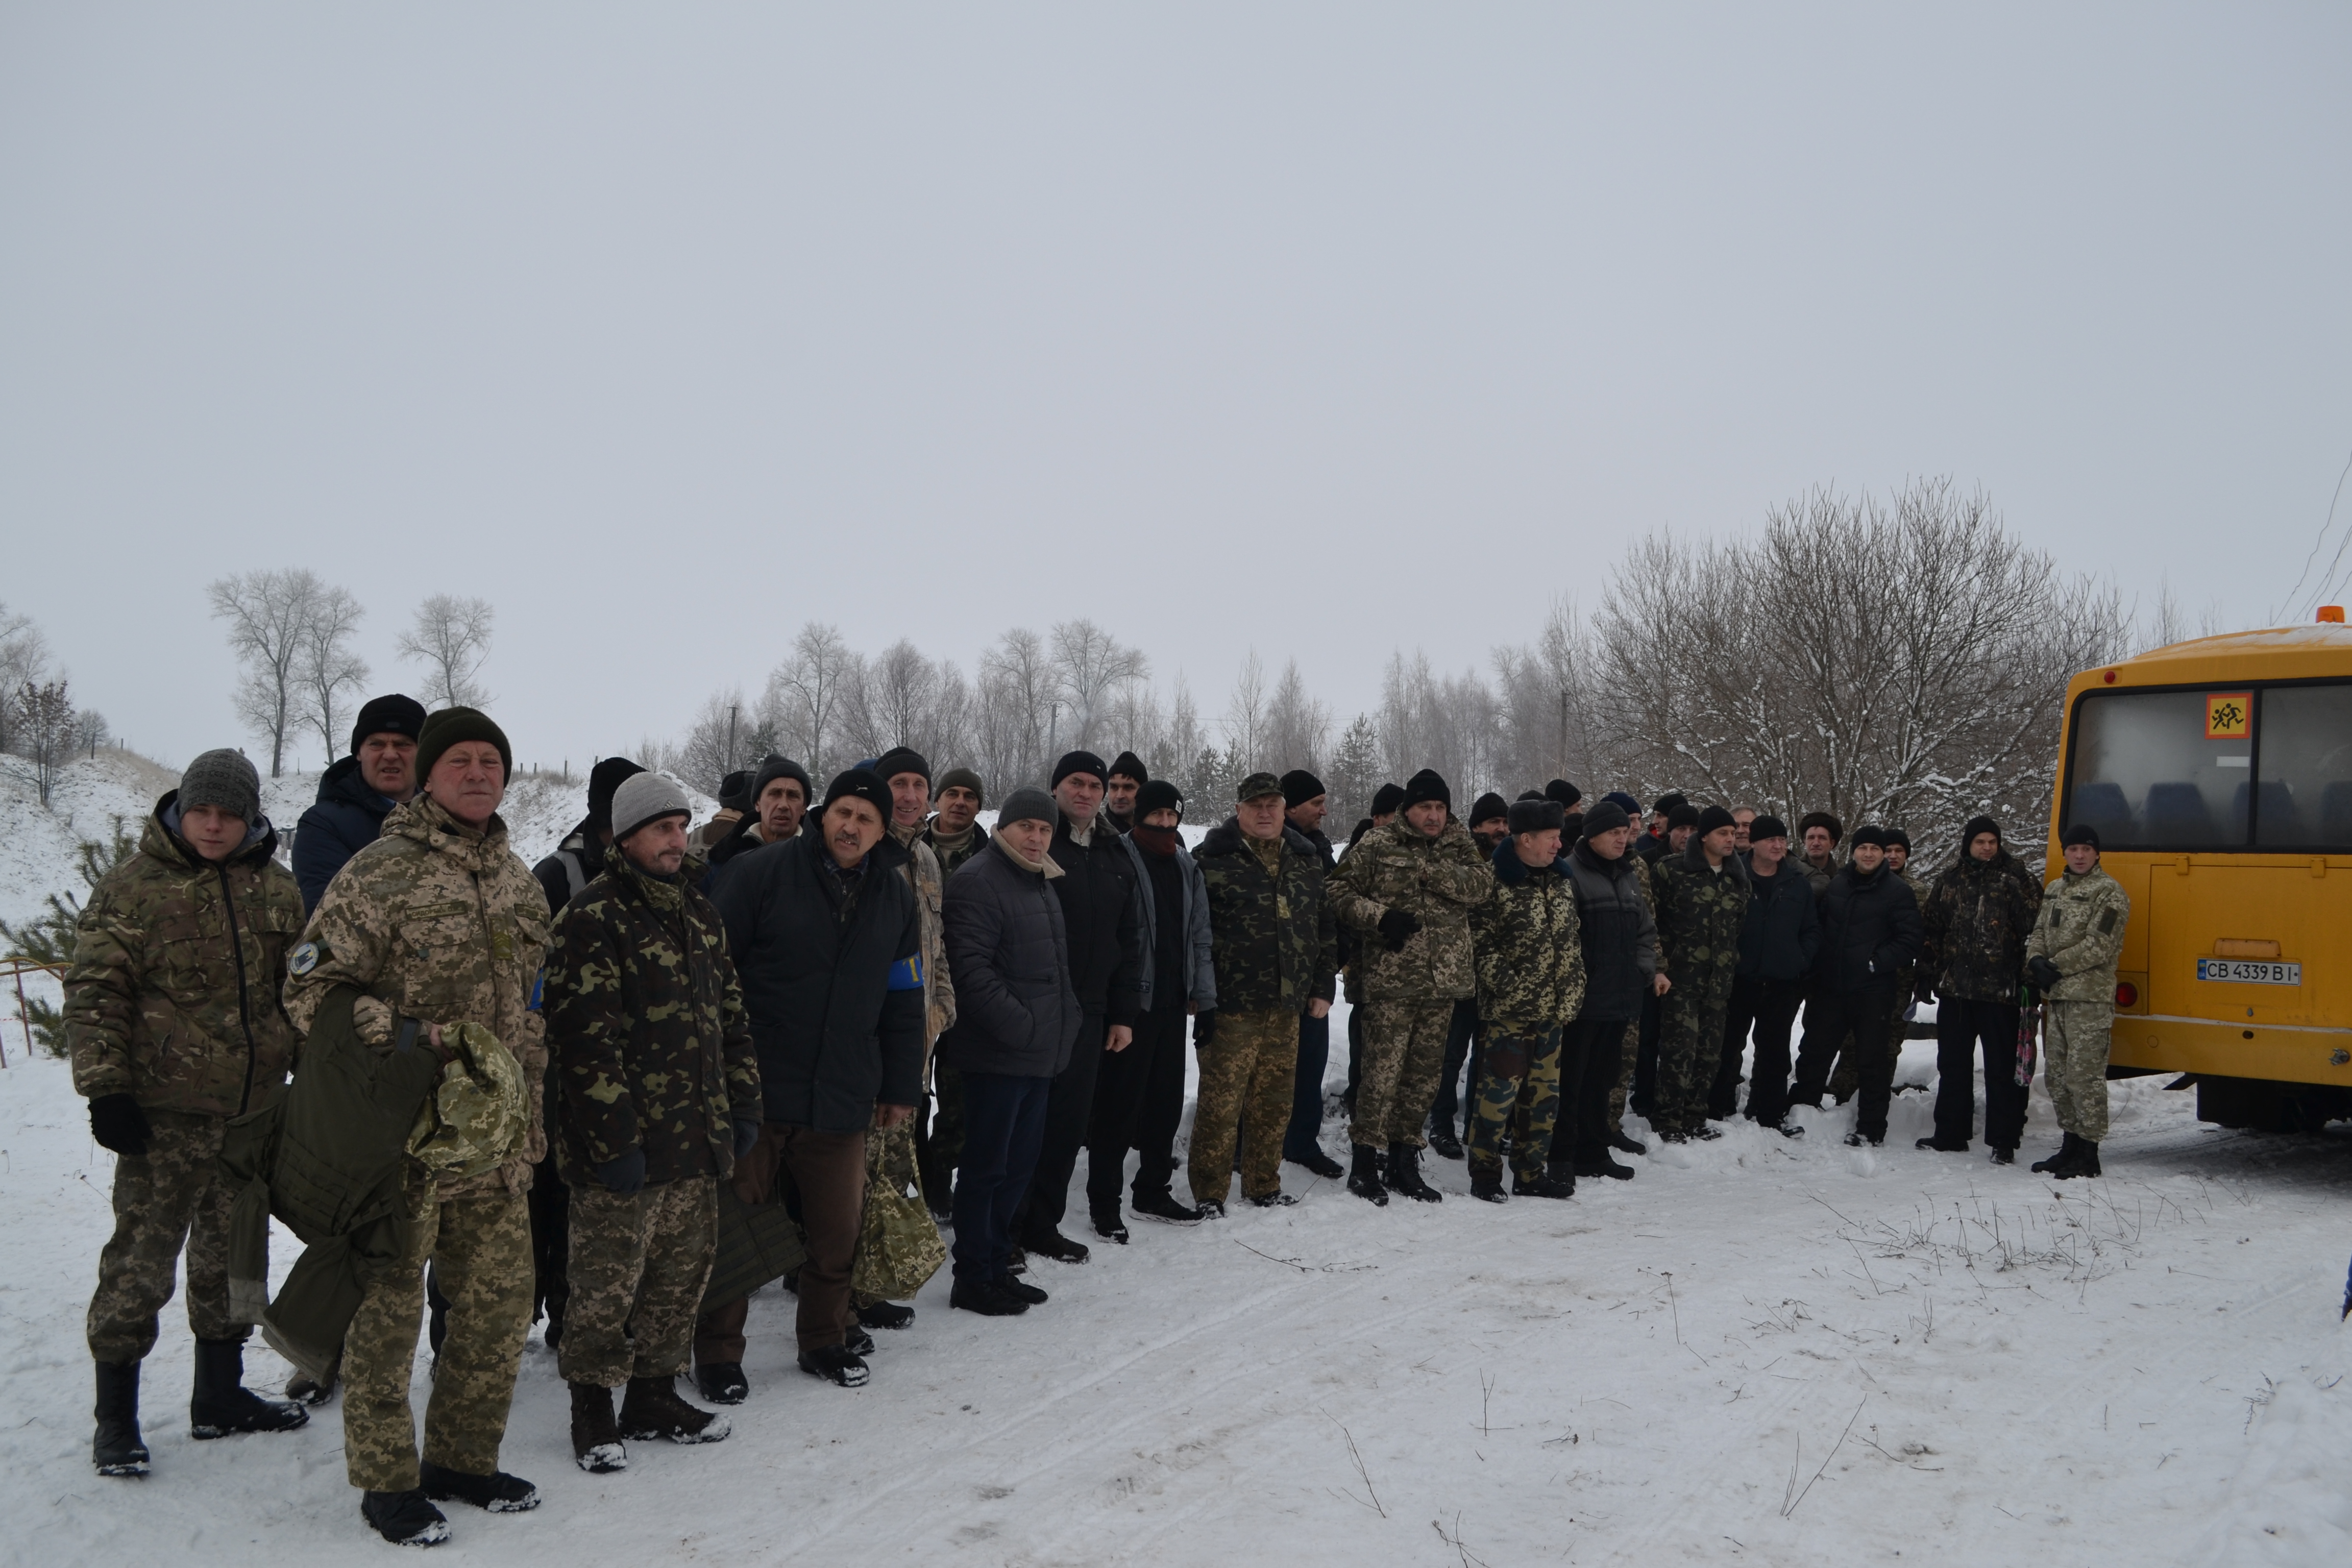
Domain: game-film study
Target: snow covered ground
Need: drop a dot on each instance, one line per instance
(1757, 1351)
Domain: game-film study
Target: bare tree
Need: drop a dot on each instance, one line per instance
(90, 732)
(1244, 721)
(1089, 666)
(24, 658)
(1017, 711)
(1451, 723)
(1899, 662)
(269, 615)
(806, 694)
(902, 699)
(45, 732)
(451, 637)
(1297, 726)
(329, 671)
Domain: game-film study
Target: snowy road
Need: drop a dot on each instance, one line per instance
(2140, 1370)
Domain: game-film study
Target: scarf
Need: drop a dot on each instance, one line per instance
(1159, 841)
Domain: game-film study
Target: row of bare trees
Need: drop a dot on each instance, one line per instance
(1897, 660)
(292, 634)
(40, 724)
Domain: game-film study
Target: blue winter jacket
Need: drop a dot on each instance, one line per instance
(347, 818)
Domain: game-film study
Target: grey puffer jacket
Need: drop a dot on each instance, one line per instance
(1009, 954)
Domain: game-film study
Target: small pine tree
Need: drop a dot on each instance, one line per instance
(48, 939)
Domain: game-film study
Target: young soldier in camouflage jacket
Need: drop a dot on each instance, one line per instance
(1408, 889)
(2070, 957)
(438, 923)
(172, 1013)
(1530, 964)
(658, 1093)
(1702, 892)
(1274, 945)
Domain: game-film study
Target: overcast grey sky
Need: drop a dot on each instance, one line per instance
(1323, 329)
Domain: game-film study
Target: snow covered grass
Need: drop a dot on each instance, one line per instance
(1754, 1351)
(1757, 1351)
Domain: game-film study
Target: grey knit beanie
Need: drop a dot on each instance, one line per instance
(644, 797)
(225, 779)
(1026, 803)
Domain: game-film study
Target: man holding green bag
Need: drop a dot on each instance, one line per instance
(438, 924)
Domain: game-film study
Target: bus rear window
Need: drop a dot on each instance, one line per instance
(2163, 770)
(2302, 799)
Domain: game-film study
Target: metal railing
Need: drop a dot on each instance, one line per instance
(15, 969)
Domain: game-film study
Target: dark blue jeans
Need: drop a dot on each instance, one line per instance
(1307, 1102)
(1004, 1128)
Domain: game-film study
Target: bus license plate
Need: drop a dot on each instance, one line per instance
(2248, 971)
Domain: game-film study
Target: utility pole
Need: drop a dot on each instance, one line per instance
(731, 710)
(1562, 770)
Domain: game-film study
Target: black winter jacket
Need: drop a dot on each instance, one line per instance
(1782, 933)
(1870, 930)
(348, 817)
(1621, 935)
(1102, 914)
(577, 861)
(836, 1005)
(1017, 1011)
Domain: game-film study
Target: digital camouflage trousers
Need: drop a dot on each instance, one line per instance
(479, 1247)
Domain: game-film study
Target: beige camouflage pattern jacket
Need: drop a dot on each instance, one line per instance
(2080, 930)
(1438, 881)
(444, 924)
(923, 875)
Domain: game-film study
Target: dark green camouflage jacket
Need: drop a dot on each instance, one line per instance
(1530, 949)
(173, 994)
(646, 1022)
(1699, 915)
(1438, 881)
(1977, 916)
(1274, 940)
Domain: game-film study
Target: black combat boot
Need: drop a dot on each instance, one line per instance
(2086, 1161)
(723, 1381)
(835, 1364)
(886, 1315)
(1547, 1185)
(652, 1410)
(596, 1437)
(1364, 1174)
(497, 1492)
(1320, 1162)
(118, 1450)
(1163, 1207)
(989, 1299)
(856, 1340)
(1442, 1140)
(1626, 1143)
(2059, 1163)
(1020, 1290)
(1486, 1186)
(405, 1518)
(1404, 1174)
(223, 1405)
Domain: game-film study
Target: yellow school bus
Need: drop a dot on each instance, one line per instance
(2219, 775)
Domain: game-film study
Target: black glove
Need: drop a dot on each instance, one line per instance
(1396, 928)
(624, 1173)
(2042, 973)
(118, 1123)
(1925, 991)
(747, 1133)
(1204, 1027)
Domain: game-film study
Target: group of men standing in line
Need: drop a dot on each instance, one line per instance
(817, 999)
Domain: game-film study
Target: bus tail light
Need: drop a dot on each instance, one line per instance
(2126, 994)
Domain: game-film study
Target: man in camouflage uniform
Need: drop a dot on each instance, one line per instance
(1530, 968)
(438, 923)
(955, 836)
(1273, 948)
(1977, 918)
(658, 1091)
(892, 1153)
(1702, 892)
(2070, 957)
(1408, 889)
(172, 1018)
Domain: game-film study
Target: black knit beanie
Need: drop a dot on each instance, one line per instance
(1127, 764)
(1562, 791)
(901, 760)
(390, 714)
(1488, 805)
(1388, 800)
(862, 784)
(1713, 818)
(446, 729)
(1427, 784)
(1979, 824)
(1157, 794)
(1080, 762)
(1298, 787)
